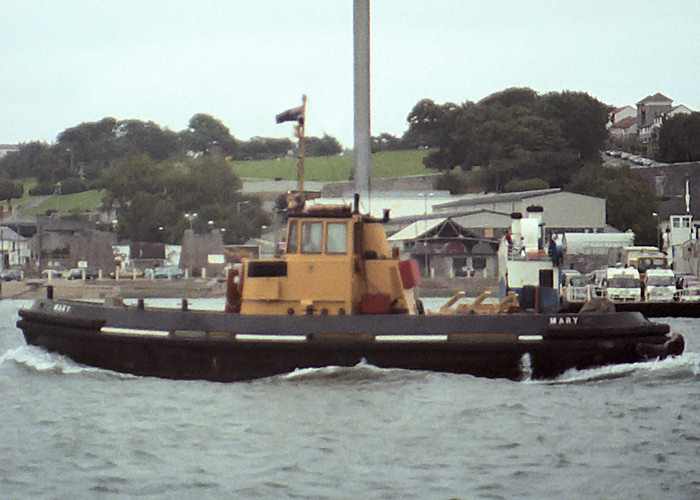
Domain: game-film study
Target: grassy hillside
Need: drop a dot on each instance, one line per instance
(87, 201)
(336, 168)
(322, 169)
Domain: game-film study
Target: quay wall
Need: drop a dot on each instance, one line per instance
(409, 183)
(104, 289)
(668, 183)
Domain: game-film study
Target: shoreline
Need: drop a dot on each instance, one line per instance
(191, 288)
(126, 289)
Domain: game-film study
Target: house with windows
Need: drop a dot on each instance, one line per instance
(622, 113)
(14, 249)
(651, 113)
(648, 131)
(460, 236)
(443, 247)
(625, 128)
(682, 242)
(651, 107)
(645, 120)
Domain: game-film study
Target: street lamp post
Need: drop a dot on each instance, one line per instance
(239, 204)
(70, 152)
(190, 217)
(658, 234)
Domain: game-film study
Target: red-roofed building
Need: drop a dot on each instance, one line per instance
(625, 128)
(619, 114)
(645, 121)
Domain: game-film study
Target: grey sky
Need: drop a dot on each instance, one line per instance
(66, 62)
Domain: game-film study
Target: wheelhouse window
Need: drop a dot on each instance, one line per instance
(311, 237)
(337, 238)
(292, 237)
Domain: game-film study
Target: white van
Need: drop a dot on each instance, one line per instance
(659, 285)
(622, 284)
(575, 288)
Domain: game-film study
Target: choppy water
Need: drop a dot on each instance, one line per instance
(630, 431)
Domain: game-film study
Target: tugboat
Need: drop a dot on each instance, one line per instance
(338, 296)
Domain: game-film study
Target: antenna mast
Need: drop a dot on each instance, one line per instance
(362, 103)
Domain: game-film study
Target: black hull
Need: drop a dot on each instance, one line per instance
(651, 309)
(229, 347)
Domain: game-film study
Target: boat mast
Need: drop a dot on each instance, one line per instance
(362, 104)
(298, 115)
(301, 134)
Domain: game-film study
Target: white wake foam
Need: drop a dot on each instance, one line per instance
(362, 371)
(675, 367)
(38, 360)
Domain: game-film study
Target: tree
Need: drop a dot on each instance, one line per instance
(91, 145)
(325, 146)
(525, 185)
(42, 189)
(456, 182)
(262, 148)
(630, 201)
(679, 138)
(10, 189)
(138, 137)
(72, 185)
(206, 180)
(130, 175)
(582, 120)
(514, 134)
(521, 97)
(387, 142)
(207, 135)
(146, 213)
(429, 122)
(154, 196)
(34, 159)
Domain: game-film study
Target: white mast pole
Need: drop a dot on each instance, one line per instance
(362, 106)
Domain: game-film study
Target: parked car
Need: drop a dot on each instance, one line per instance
(77, 274)
(128, 273)
(165, 272)
(11, 274)
(52, 273)
(575, 288)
